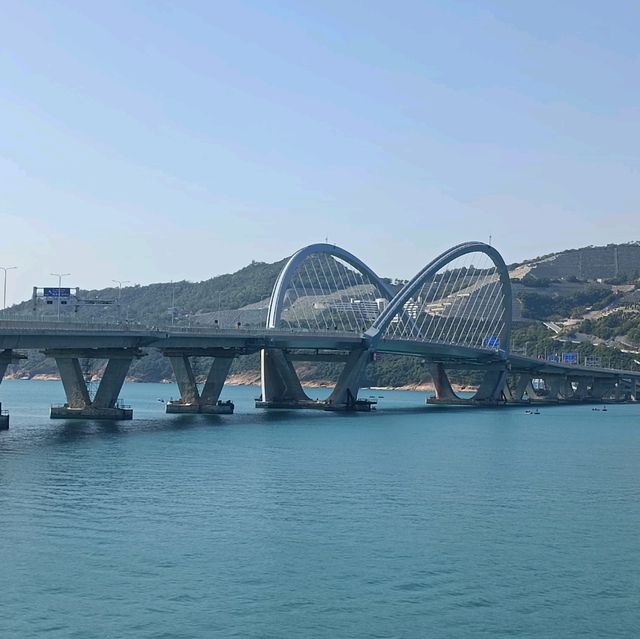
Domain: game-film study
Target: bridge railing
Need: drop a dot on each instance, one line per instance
(38, 325)
(33, 325)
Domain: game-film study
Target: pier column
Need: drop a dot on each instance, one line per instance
(191, 400)
(111, 383)
(280, 383)
(582, 388)
(604, 388)
(492, 385)
(441, 383)
(215, 380)
(185, 379)
(559, 387)
(7, 356)
(75, 386)
(490, 391)
(345, 393)
(514, 391)
(79, 403)
(281, 387)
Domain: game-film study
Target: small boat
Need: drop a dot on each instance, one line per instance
(536, 412)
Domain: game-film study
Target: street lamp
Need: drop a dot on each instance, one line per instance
(5, 269)
(173, 302)
(120, 283)
(59, 276)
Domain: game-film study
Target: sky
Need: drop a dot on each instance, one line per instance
(157, 141)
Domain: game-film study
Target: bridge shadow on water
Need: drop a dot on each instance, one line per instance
(69, 431)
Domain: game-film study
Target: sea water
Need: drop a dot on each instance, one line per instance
(410, 521)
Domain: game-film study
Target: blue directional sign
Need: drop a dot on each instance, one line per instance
(570, 358)
(492, 342)
(56, 292)
(553, 358)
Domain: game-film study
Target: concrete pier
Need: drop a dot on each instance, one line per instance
(192, 401)
(489, 393)
(282, 390)
(105, 405)
(7, 356)
(219, 408)
(89, 412)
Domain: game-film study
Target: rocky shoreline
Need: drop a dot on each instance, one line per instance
(250, 379)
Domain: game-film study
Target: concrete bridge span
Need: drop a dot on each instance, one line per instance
(328, 305)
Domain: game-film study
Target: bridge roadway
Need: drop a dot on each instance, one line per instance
(85, 337)
(69, 342)
(35, 335)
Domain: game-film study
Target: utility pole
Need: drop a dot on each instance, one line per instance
(173, 302)
(60, 276)
(5, 269)
(120, 283)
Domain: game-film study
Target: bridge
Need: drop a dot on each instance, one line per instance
(328, 305)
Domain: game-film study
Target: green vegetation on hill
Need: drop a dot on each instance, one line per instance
(614, 325)
(152, 304)
(535, 340)
(556, 306)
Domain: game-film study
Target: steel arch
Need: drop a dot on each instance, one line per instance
(382, 322)
(276, 304)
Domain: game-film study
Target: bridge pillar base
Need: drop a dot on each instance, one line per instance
(358, 406)
(220, 408)
(91, 412)
(291, 404)
(4, 422)
(464, 401)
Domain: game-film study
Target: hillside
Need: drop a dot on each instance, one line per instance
(581, 300)
(585, 300)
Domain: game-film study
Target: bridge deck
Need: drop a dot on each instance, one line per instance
(51, 335)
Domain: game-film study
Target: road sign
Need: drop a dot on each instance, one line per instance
(492, 342)
(54, 291)
(570, 358)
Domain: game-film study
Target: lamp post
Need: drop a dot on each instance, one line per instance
(59, 276)
(5, 269)
(120, 283)
(173, 302)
